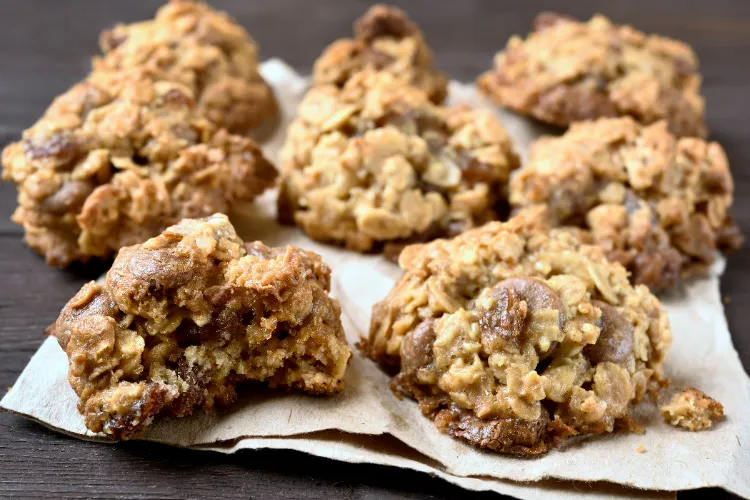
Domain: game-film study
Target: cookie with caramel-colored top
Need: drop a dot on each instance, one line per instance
(385, 39)
(187, 316)
(568, 70)
(513, 337)
(658, 204)
(118, 158)
(190, 43)
(376, 164)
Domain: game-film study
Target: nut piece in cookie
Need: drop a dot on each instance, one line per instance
(385, 40)
(566, 71)
(692, 410)
(376, 163)
(190, 43)
(513, 337)
(656, 203)
(118, 158)
(185, 317)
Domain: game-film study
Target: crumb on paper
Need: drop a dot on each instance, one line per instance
(692, 410)
(641, 449)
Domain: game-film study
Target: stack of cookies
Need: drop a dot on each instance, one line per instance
(511, 336)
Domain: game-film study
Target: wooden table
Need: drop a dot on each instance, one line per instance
(44, 49)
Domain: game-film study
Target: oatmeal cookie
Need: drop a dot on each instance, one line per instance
(657, 204)
(377, 163)
(385, 39)
(118, 158)
(185, 317)
(190, 43)
(567, 71)
(691, 409)
(513, 337)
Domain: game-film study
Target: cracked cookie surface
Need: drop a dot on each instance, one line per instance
(385, 39)
(567, 71)
(376, 163)
(513, 337)
(657, 204)
(185, 317)
(190, 43)
(117, 159)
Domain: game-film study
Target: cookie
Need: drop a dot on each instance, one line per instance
(567, 71)
(513, 337)
(118, 158)
(656, 203)
(190, 43)
(377, 164)
(187, 316)
(692, 410)
(385, 39)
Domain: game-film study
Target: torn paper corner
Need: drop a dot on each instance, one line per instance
(368, 424)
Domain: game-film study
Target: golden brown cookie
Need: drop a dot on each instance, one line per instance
(513, 337)
(190, 43)
(657, 204)
(185, 317)
(377, 164)
(567, 70)
(385, 39)
(118, 158)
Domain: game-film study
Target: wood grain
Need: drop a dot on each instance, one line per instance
(45, 47)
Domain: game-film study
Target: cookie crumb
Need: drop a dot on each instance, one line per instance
(641, 449)
(692, 410)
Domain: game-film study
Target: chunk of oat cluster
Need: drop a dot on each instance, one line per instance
(385, 40)
(118, 158)
(691, 409)
(513, 337)
(566, 71)
(185, 317)
(376, 163)
(657, 204)
(190, 43)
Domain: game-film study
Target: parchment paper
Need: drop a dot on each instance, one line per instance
(367, 424)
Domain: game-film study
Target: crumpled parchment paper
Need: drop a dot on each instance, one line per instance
(368, 424)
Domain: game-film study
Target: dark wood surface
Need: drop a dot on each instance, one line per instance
(45, 47)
